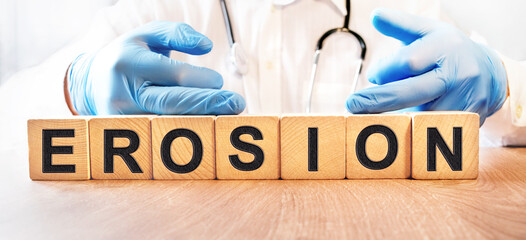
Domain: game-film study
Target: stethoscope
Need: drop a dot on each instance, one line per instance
(237, 54)
(238, 58)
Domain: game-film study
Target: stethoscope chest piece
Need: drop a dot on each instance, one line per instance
(238, 59)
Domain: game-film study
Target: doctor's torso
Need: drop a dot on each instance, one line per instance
(279, 43)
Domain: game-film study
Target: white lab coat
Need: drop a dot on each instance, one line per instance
(279, 42)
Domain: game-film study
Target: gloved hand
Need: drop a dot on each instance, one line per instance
(439, 68)
(134, 75)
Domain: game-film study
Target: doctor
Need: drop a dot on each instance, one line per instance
(174, 57)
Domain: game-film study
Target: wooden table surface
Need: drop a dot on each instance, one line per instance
(494, 206)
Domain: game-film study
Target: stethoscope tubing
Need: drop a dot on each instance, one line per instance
(228, 23)
(242, 70)
(319, 47)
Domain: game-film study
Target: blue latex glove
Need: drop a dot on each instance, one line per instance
(134, 75)
(439, 68)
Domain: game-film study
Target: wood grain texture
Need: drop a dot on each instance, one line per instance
(376, 147)
(445, 122)
(490, 207)
(268, 127)
(79, 144)
(181, 149)
(330, 147)
(143, 155)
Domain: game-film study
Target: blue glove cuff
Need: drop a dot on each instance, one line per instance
(499, 83)
(78, 86)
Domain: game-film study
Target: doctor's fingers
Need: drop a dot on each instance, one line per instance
(406, 93)
(458, 100)
(162, 36)
(195, 101)
(164, 71)
(400, 25)
(417, 58)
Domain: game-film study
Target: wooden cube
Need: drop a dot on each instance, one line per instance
(58, 149)
(445, 145)
(183, 147)
(247, 147)
(378, 146)
(312, 147)
(120, 147)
